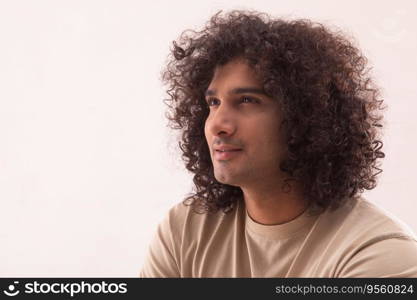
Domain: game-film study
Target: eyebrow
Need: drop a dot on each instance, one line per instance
(239, 90)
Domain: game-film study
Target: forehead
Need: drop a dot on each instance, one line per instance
(235, 72)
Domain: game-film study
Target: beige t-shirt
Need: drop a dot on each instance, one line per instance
(356, 240)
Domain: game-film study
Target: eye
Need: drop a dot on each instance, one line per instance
(213, 101)
(246, 99)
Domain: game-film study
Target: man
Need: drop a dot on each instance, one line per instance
(280, 126)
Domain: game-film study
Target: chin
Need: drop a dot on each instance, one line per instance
(226, 179)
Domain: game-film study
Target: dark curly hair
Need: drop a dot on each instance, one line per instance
(331, 107)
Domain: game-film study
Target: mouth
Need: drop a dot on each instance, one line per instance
(226, 154)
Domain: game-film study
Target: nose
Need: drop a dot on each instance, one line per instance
(221, 121)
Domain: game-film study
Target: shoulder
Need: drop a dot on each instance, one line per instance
(390, 257)
(165, 255)
(182, 218)
(375, 242)
(362, 219)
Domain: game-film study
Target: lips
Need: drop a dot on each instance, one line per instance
(226, 154)
(225, 148)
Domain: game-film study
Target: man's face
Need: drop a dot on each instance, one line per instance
(243, 127)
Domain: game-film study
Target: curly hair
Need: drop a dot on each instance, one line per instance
(331, 107)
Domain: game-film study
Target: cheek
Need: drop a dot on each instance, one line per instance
(206, 131)
(268, 138)
(207, 134)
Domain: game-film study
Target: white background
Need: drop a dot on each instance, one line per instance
(87, 165)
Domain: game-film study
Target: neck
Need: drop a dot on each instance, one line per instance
(271, 204)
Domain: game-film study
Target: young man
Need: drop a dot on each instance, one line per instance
(280, 126)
